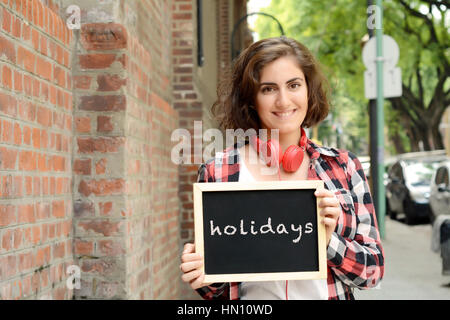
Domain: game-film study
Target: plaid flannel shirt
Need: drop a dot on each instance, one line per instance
(355, 257)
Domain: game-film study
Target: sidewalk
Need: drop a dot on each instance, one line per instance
(412, 270)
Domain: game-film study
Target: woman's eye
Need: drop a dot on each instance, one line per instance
(267, 89)
(294, 85)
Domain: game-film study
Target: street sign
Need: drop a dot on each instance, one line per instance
(392, 86)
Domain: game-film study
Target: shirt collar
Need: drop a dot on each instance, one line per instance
(314, 151)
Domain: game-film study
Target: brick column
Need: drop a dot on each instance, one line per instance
(35, 151)
(99, 160)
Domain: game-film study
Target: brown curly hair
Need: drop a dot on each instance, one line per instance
(236, 93)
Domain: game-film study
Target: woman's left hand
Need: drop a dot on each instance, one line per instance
(331, 210)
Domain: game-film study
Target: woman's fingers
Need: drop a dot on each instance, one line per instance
(330, 212)
(189, 266)
(198, 282)
(189, 276)
(329, 222)
(189, 248)
(187, 257)
(328, 202)
(322, 193)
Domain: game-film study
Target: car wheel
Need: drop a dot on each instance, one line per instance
(389, 212)
(409, 212)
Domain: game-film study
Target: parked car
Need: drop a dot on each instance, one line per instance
(440, 191)
(408, 187)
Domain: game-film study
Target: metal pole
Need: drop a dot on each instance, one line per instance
(381, 205)
(373, 135)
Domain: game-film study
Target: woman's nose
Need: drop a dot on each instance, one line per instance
(282, 98)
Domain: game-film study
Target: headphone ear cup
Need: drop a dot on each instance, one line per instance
(293, 158)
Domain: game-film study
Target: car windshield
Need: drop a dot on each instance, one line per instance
(419, 173)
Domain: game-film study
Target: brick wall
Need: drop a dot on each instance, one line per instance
(35, 151)
(195, 87)
(127, 227)
(86, 118)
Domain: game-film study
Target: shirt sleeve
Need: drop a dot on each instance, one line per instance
(358, 261)
(216, 291)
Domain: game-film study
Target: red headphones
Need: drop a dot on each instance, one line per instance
(271, 151)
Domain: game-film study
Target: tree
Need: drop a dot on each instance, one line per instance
(334, 30)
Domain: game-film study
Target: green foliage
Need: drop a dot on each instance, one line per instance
(333, 31)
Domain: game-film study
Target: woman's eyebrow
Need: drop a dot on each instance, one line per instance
(273, 83)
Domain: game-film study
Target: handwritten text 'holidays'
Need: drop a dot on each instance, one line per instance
(264, 229)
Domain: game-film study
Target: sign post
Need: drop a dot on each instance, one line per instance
(381, 80)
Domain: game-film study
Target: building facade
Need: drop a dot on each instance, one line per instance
(91, 204)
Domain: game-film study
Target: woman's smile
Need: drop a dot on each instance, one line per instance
(285, 114)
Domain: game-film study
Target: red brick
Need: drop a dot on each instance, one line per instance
(18, 78)
(7, 79)
(6, 25)
(25, 213)
(7, 48)
(8, 104)
(105, 227)
(7, 135)
(102, 187)
(104, 124)
(84, 247)
(103, 36)
(26, 59)
(36, 229)
(59, 250)
(44, 116)
(110, 248)
(36, 135)
(82, 166)
(59, 163)
(60, 76)
(100, 166)
(105, 208)
(8, 158)
(103, 103)
(25, 261)
(96, 61)
(42, 211)
(44, 69)
(82, 82)
(58, 209)
(101, 144)
(35, 39)
(83, 124)
(17, 134)
(16, 27)
(27, 160)
(7, 240)
(107, 82)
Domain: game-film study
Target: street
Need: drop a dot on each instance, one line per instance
(412, 270)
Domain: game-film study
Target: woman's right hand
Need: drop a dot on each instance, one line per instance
(191, 264)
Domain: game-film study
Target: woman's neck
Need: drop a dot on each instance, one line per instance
(285, 140)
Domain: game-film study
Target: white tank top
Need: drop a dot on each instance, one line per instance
(276, 290)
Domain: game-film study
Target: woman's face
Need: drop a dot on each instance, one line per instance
(282, 98)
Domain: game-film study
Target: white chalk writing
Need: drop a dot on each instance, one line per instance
(281, 228)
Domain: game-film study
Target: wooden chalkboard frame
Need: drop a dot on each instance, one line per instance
(199, 188)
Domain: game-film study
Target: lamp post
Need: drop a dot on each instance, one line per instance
(234, 52)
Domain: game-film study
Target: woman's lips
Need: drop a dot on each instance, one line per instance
(285, 114)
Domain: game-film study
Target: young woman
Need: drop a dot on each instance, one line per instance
(277, 84)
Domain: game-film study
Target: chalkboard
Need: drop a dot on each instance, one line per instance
(259, 231)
